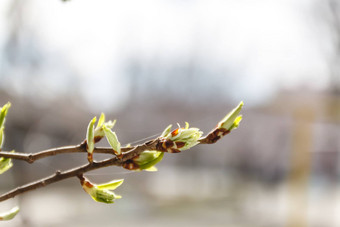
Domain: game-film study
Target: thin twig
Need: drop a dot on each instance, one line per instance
(127, 154)
(58, 176)
(81, 148)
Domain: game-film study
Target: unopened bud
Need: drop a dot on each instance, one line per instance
(101, 192)
(232, 119)
(145, 161)
(180, 139)
(90, 139)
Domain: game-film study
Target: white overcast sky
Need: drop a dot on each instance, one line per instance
(276, 43)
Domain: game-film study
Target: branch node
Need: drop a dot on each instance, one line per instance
(30, 158)
(58, 172)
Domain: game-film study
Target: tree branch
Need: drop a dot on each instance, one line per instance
(128, 157)
(58, 176)
(127, 154)
(212, 137)
(81, 148)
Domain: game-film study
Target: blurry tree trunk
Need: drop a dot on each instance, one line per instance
(300, 167)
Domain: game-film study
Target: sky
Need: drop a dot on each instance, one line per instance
(266, 45)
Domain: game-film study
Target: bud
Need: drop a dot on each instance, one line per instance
(230, 122)
(232, 119)
(9, 214)
(145, 161)
(112, 139)
(3, 113)
(180, 139)
(5, 164)
(90, 139)
(1, 136)
(101, 192)
(99, 130)
(95, 134)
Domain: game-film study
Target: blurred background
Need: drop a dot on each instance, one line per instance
(152, 63)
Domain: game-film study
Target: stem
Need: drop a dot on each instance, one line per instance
(213, 136)
(58, 176)
(81, 148)
(127, 154)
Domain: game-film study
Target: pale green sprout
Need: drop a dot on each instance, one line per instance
(189, 136)
(1, 136)
(9, 214)
(148, 159)
(112, 139)
(3, 114)
(166, 131)
(99, 130)
(102, 192)
(95, 134)
(90, 139)
(232, 119)
(101, 121)
(5, 164)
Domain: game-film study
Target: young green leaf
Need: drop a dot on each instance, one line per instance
(112, 139)
(1, 136)
(9, 214)
(232, 119)
(3, 113)
(236, 123)
(112, 185)
(5, 164)
(101, 121)
(90, 139)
